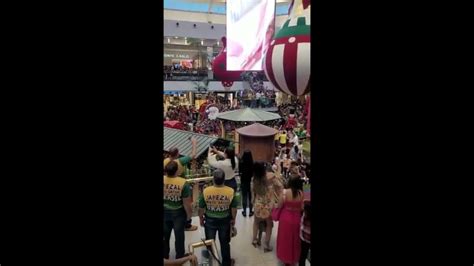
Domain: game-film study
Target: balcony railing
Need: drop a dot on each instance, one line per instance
(195, 75)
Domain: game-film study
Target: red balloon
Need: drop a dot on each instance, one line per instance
(219, 66)
(227, 84)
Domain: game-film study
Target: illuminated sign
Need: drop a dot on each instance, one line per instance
(183, 56)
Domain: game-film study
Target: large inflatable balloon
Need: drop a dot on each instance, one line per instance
(287, 60)
(219, 67)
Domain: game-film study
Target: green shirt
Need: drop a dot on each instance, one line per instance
(182, 163)
(184, 160)
(175, 189)
(217, 201)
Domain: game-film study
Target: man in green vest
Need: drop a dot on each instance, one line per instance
(177, 208)
(182, 162)
(219, 206)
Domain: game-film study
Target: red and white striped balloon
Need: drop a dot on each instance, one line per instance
(287, 61)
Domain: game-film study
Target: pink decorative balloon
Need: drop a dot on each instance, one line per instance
(219, 66)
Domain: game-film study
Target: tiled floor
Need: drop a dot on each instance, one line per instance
(241, 245)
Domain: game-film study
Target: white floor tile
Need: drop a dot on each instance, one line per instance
(241, 245)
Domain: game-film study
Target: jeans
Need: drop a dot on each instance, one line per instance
(212, 226)
(231, 183)
(246, 196)
(304, 252)
(174, 220)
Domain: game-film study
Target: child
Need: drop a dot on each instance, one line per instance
(305, 232)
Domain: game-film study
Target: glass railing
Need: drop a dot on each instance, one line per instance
(190, 76)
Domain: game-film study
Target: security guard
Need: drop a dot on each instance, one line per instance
(215, 202)
(177, 208)
(182, 162)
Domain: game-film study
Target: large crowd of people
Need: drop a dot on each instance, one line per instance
(179, 72)
(269, 190)
(293, 116)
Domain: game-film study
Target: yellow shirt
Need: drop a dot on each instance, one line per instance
(277, 136)
(180, 166)
(217, 201)
(174, 190)
(283, 138)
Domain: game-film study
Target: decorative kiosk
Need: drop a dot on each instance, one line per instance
(259, 139)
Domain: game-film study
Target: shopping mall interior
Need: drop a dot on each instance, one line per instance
(236, 118)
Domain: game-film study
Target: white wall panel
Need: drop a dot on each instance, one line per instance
(204, 17)
(213, 86)
(179, 86)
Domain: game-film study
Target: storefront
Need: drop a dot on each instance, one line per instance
(176, 98)
(184, 57)
(226, 96)
(178, 93)
(199, 98)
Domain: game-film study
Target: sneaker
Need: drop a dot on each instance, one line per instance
(244, 213)
(251, 214)
(191, 228)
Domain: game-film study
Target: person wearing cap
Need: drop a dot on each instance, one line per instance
(182, 162)
(217, 212)
(177, 208)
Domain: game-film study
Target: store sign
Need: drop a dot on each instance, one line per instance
(183, 56)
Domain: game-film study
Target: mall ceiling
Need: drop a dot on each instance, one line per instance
(214, 6)
(190, 41)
